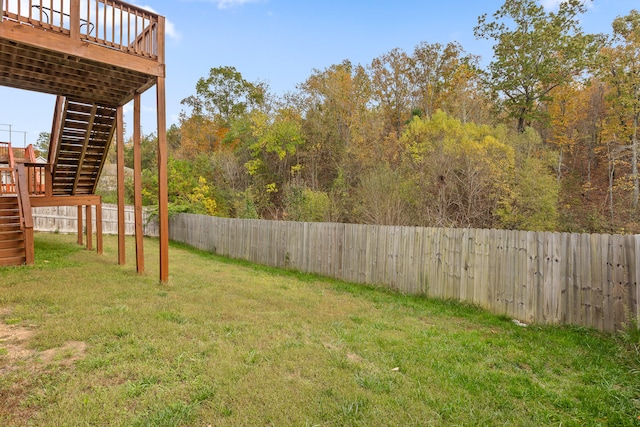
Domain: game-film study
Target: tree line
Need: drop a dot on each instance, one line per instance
(544, 138)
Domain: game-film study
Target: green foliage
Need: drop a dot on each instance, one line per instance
(531, 202)
(459, 171)
(304, 204)
(244, 205)
(535, 52)
(225, 95)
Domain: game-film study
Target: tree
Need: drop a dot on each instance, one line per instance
(225, 95)
(623, 74)
(391, 84)
(535, 52)
(459, 172)
(334, 103)
(433, 71)
(42, 143)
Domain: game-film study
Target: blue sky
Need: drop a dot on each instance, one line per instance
(283, 41)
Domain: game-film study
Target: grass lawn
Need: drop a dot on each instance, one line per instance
(84, 341)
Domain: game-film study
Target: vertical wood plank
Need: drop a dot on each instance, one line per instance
(99, 225)
(163, 193)
(89, 227)
(120, 182)
(137, 185)
(80, 226)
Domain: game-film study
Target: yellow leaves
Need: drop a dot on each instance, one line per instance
(271, 187)
(201, 195)
(253, 166)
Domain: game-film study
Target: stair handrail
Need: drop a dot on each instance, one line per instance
(24, 209)
(56, 129)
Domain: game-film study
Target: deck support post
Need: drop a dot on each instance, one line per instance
(99, 228)
(80, 227)
(163, 193)
(89, 215)
(137, 185)
(120, 177)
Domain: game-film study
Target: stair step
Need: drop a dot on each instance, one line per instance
(12, 252)
(9, 244)
(9, 219)
(7, 262)
(11, 235)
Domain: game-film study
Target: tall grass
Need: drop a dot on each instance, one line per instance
(229, 343)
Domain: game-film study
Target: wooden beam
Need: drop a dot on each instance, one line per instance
(137, 185)
(40, 201)
(80, 228)
(120, 178)
(163, 193)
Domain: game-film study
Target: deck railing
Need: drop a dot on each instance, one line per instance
(7, 180)
(110, 23)
(26, 216)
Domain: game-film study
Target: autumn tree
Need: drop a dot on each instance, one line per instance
(391, 85)
(224, 95)
(535, 52)
(333, 102)
(622, 72)
(459, 172)
(221, 98)
(436, 72)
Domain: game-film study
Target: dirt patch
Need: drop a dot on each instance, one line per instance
(13, 345)
(14, 349)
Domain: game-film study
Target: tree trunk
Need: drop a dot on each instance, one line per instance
(634, 163)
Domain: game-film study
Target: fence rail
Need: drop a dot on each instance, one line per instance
(582, 279)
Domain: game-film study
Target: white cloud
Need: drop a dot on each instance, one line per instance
(169, 28)
(229, 4)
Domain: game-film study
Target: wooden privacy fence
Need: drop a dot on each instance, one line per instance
(64, 219)
(582, 279)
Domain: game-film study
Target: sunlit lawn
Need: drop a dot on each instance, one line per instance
(228, 343)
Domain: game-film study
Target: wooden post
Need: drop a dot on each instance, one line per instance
(89, 228)
(74, 20)
(137, 184)
(120, 177)
(99, 228)
(80, 230)
(163, 193)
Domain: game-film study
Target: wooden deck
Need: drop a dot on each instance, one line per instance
(105, 59)
(96, 56)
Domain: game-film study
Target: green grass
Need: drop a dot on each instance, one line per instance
(229, 343)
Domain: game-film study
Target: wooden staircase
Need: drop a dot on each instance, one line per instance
(12, 239)
(82, 144)
(81, 136)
